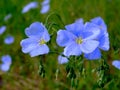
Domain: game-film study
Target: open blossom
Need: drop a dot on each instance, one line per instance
(6, 62)
(30, 6)
(35, 44)
(9, 39)
(116, 63)
(102, 38)
(78, 38)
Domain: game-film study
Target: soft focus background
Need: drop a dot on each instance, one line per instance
(23, 72)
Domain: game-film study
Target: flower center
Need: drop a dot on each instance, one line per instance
(42, 41)
(79, 40)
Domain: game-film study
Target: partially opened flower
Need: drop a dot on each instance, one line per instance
(62, 59)
(30, 6)
(116, 63)
(78, 38)
(9, 39)
(45, 6)
(2, 29)
(35, 44)
(6, 62)
(102, 38)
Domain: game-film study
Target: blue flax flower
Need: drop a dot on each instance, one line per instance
(78, 38)
(62, 59)
(116, 63)
(45, 6)
(30, 6)
(6, 62)
(9, 39)
(35, 44)
(2, 29)
(102, 38)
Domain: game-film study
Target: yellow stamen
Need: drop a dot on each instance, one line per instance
(79, 40)
(42, 41)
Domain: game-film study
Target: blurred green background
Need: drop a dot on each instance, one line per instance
(23, 74)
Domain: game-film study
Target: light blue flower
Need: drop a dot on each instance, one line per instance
(116, 63)
(102, 38)
(7, 17)
(35, 44)
(6, 63)
(9, 39)
(45, 6)
(2, 29)
(78, 38)
(62, 59)
(30, 6)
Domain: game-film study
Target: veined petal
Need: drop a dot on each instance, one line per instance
(72, 49)
(96, 54)
(64, 37)
(36, 29)
(75, 28)
(62, 60)
(89, 46)
(39, 50)
(91, 31)
(29, 44)
(116, 63)
(104, 42)
(100, 22)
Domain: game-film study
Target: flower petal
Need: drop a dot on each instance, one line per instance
(104, 42)
(89, 46)
(39, 50)
(100, 22)
(64, 37)
(9, 39)
(36, 29)
(75, 28)
(29, 44)
(45, 9)
(72, 49)
(62, 60)
(6, 59)
(2, 29)
(5, 67)
(116, 63)
(96, 54)
(91, 31)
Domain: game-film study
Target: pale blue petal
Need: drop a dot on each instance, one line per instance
(7, 17)
(104, 42)
(89, 46)
(80, 20)
(4, 67)
(64, 37)
(72, 49)
(45, 9)
(29, 44)
(75, 28)
(62, 60)
(36, 29)
(2, 29)
(39, 50)
(100, 22)
(29, 6)
(96, 54)
(46, 36)
(91, 31)
(9, 39)
(6, 59)
(116, 63)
